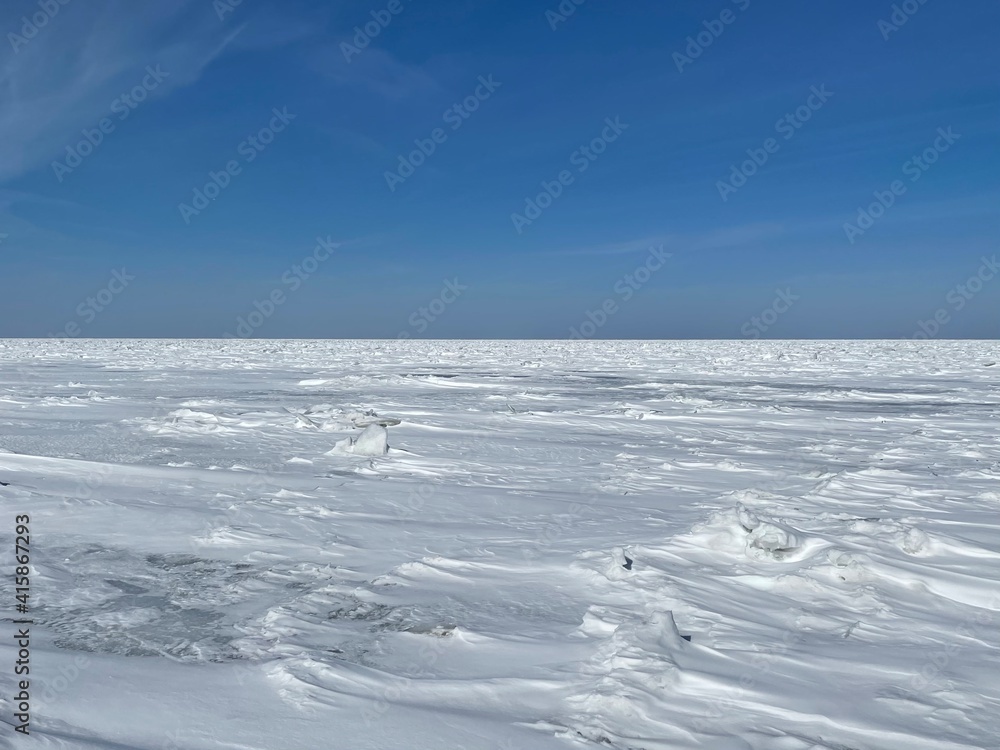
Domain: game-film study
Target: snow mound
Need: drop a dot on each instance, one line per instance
(767, 538)
(773, 538)
(759, 537)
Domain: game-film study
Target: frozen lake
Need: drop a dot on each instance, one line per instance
(210, 570)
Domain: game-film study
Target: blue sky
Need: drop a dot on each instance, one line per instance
(512, 97)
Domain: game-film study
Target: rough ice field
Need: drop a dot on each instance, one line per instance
(523, 568)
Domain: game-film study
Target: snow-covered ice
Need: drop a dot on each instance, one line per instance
(517, 545)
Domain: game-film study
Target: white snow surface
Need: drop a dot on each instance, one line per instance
(524, 566)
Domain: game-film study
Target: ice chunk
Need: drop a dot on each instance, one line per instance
(659, 632)
(773, 538)
(373, 441)
(748, 519)
(619, 566)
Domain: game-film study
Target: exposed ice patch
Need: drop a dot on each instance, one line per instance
(113, 601)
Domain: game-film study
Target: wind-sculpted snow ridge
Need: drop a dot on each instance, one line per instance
(624, 545)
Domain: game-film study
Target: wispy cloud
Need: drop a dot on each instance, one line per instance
(376, 70)
(65, 78)
(732, 237)
(729, 237)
